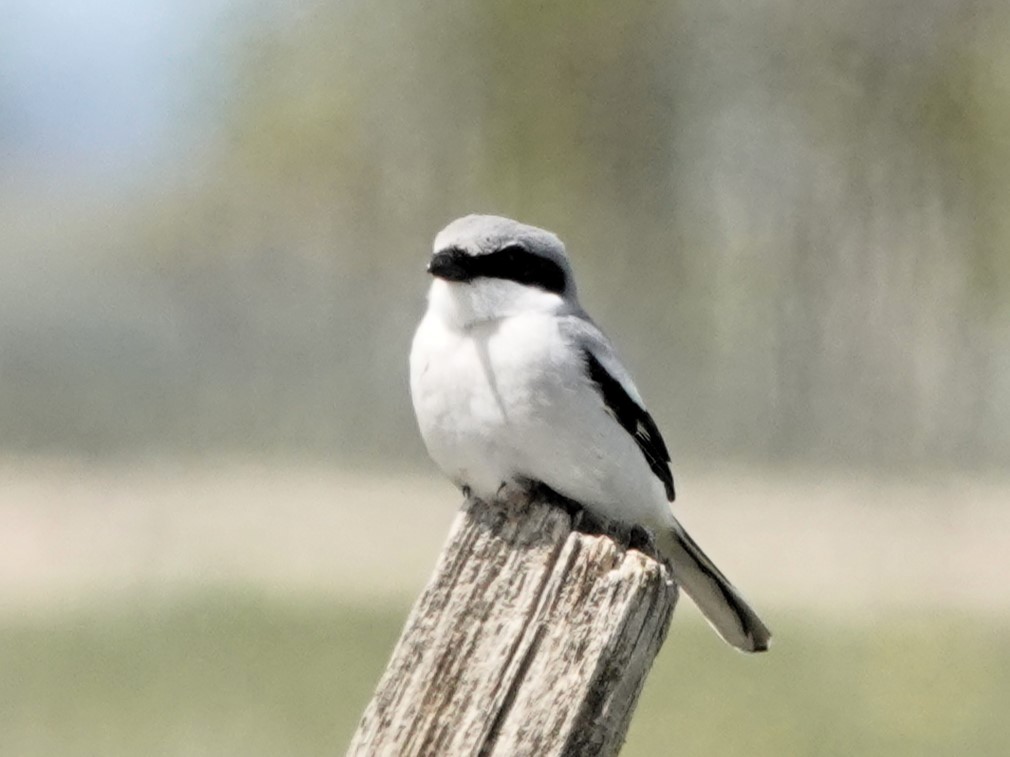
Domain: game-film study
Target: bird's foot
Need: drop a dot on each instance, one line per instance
(513, 493)
(540, 490)
(642, 540)
(520, 492)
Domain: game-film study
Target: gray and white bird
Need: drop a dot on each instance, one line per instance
(512, 382)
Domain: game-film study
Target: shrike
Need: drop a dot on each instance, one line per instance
(513, 383)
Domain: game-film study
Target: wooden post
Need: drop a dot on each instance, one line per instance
(531, 638)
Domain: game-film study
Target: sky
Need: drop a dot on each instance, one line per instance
(103, 88)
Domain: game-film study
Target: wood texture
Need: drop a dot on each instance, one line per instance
(531, 638)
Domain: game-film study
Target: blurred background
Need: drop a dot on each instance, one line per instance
(791, 217)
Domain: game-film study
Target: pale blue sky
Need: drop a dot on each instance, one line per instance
(103, 87)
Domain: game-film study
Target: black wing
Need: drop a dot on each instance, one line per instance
(634, 419)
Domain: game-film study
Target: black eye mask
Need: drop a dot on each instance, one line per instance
(512, 263)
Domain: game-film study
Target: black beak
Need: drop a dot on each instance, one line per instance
(451, 265)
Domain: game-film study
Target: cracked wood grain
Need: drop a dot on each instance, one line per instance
(531, 638)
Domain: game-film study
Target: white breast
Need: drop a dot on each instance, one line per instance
(459, 405)
(511, 398)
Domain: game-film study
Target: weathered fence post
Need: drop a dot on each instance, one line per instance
(531, 638)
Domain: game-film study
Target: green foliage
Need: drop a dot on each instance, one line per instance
(228, 674)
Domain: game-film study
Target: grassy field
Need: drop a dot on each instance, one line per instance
(249, 610)
(232, 674)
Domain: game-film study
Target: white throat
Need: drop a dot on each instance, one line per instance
(464, 305)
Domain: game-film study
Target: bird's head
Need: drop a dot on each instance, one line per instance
(488, 267)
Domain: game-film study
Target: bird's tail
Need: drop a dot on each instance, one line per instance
(719, 602)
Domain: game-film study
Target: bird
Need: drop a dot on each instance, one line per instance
(514, 384)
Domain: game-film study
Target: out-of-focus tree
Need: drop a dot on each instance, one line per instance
(790, 216)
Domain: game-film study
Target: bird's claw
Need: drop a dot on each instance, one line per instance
(642, 540)
(512, 492)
